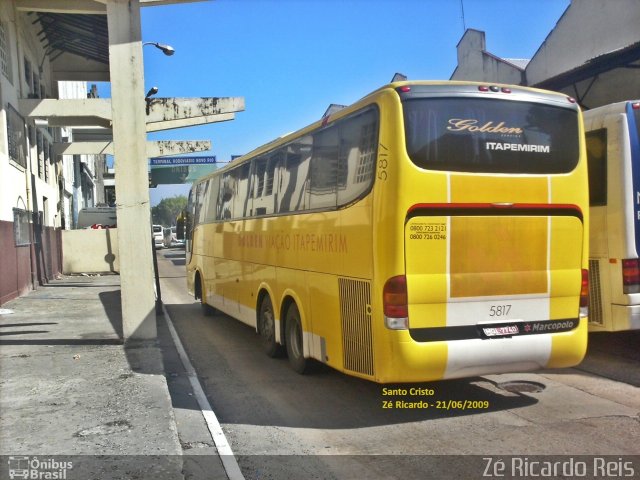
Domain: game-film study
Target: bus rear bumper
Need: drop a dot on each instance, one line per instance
(426, 361)
(625, 317)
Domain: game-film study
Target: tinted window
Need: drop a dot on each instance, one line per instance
(487, 135)
(597, 162)
(293, 185)
(324, 168)
(358, 139)
(209, 201)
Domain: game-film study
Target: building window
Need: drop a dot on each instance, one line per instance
(597, 163)
(5, 52)
(28, 78)
(36, 85)
(21, 227)
(45, 154)
(40, 155)
(17, 137)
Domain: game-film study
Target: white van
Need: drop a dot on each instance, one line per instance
(158, 236)
(97, 217)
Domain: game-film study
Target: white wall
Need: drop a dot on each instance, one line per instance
(476, 64)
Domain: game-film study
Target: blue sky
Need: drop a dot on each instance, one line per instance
(290, 59)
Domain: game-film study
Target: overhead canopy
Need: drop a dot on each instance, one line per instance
(82, 35)
(607, 78)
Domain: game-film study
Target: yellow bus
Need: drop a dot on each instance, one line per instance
(431, 230)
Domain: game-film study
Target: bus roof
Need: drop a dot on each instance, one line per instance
(442, 85)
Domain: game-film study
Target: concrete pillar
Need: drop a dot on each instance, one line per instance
(132, 178)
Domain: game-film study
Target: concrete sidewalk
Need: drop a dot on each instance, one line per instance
(69, 387)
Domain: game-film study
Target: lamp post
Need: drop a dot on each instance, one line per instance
(168, 50)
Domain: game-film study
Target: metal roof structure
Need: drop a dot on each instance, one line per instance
(612, 76)
(82, 35)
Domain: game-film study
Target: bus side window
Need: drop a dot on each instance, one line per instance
(243, 202)
(324, 169)
(358, 141)
(225, 196)
(294, 177)
(197, 207)
(258, 176)
(211, 201)
(597, 164)
(272, 180)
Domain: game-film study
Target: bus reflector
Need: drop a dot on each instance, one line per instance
(584, 294)
(483, 88)
(395, 300)
(631, 275)
(635, 106)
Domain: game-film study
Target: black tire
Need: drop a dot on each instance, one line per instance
(207, 310)
(293, 337)
(267, 329)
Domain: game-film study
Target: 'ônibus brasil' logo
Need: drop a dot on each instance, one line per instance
(473, 126)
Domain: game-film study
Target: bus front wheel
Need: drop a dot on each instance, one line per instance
(293, 337)
(267, 328)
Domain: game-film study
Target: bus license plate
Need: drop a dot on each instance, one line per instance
(501, 331)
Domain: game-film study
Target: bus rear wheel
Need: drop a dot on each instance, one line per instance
(293, 337)
(267, 328)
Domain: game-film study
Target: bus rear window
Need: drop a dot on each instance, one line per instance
(489, 135)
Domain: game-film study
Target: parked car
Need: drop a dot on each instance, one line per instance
(158, 236)
(97, 217)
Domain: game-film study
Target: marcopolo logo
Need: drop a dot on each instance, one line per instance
(550, 326)
(38, 468)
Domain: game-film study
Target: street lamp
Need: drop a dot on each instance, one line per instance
(168, 50)
(147, 98)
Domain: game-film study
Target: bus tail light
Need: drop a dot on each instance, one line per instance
(395, 301)
(584, 294)
(631, 275)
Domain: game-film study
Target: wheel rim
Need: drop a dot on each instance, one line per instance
(267, 331)
(296, 338)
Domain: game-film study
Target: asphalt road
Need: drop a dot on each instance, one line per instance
(328, 425)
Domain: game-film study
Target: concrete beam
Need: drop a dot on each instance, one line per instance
(164, 113)
(84, 7)
(189, 122)
(167, 109)
(92, 135)
(154, 3)
(76, 68)
(95, 111)
(161, 148)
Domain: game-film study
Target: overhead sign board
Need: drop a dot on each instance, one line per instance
(179, 170)
(182, 160)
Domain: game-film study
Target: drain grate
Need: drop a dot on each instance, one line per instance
(521, 386)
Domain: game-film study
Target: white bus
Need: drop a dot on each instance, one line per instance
(613, 152)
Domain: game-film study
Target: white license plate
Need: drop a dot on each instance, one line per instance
(501, 331)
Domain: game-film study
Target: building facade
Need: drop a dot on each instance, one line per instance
(40, 193)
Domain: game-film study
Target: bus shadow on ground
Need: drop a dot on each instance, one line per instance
(252, 389)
